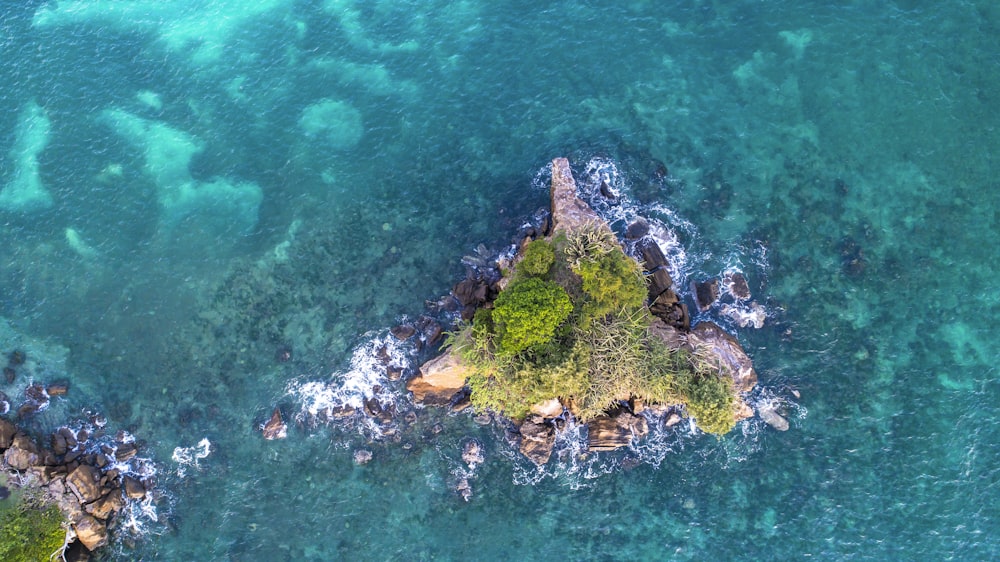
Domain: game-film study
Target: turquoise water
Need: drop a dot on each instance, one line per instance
(189, 185)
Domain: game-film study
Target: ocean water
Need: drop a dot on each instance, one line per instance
(190, 187)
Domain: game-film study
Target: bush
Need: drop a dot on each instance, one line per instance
(30, 532)
(527, 313)
(539, 255)
(710, 400)
(612, 283)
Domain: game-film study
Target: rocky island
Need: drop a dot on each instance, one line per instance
(578, 325)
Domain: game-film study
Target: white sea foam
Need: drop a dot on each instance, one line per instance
(345, 392)
(188, 457)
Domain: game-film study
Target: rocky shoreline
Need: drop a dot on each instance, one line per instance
(89, 475)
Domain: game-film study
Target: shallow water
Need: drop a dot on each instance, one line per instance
(191, 184)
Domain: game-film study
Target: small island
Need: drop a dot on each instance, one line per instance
(581, 325)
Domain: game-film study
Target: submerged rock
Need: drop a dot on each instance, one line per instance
(771, 417)
(275, 428)
(472, 453)
(362, 457)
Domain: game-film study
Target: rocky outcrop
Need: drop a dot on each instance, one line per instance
(607, 433)
(275, 428)
(569, 212)
(709, 338)
(439, 380)
(77, 474)
(537, 439)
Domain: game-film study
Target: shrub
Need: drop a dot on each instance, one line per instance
(527, 314)
(539, 255)
(710, 400)
(612, 283)
(30, 532)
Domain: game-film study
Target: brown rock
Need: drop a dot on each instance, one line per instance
(472, 453)
(605, 433)
(736, 285)
(7, 432)
(709, 338)
(57, 389)
(58, 444)
(92, 533)
(403, 332)
(537, 439)
(275, 428)
(706, 293)
(125, 452)
(656, 266)
(109, 504)
(669, 335)
(439, 380)
(85, 483)
(21, 457)
(134, 488)
(569, 212)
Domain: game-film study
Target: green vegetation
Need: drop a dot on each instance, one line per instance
(572, 324)
(30, 530)
(539, 255)
(527, 313)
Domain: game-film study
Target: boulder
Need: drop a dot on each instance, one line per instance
(134, 488)
(7, 432)
(472, 453)
(22, 453)
(109, 504)
(771, 417)
(537, 439)
(85, 482)
(709, 338)
(403, 332)
(569, 212)
(92, 533)
(548, 409)
(126, 451)
(637, 229)
(607, 433)
(656, 266)
(669, 335)
(275, 428)
(736, 285)
(57, 389)
(705, 293)
(439, 379)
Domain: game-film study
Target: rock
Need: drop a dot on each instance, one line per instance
(7, 433)
(537, 439)
(472, 453)
(705, 293)
(16, 358)
(58, 444)
(109, 504)
(548, 409)
(393, 372)
(362, 457)
(21, 457)
(92, 533)
(771, 417)
(283, 354)
(743, 410)
(9, 374)
(36, 393)
(4, 403)
(656, 266)
(275, 428)
(637, 229)
(57, 389)
(463, 488)
(736, 285)
(403, 332)
(134, 488)
(605, 433)
(669, 335)
(673, 419)
(85, 483)
(754, 315)
(471, 292)
(569, 212)
(439, 380)
(125, 452)
(708, 337)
